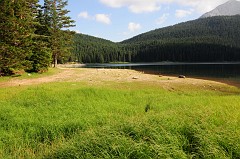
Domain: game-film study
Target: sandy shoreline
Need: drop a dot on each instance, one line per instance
(95, 76)
(70, 65)
(219, 80)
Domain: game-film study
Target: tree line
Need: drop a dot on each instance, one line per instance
(32, 35)
(89, 49)
(214, 39)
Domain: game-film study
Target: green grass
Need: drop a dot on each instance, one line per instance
(25, 75)
(75, 120)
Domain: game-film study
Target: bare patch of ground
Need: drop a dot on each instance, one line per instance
(103, 76)
(67, 73)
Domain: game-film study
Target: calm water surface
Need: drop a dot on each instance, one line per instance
(218, 71)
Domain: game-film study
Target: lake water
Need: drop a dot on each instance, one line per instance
(218, 71)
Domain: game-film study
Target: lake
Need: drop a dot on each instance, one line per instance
(216, 71)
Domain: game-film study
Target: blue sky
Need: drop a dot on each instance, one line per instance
(117, 20)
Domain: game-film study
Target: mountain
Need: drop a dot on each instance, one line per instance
(212, 39)
(229, 8)
(224, 30)
(90, 49)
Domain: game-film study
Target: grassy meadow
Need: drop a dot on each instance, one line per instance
(119, 120)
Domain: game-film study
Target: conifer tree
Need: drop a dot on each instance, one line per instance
(41, 53)
(16, 29)
(56, 19)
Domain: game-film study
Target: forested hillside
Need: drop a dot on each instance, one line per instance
(202, 40)
(89, 49)
(218, 30)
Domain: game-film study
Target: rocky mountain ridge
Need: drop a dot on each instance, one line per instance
(229, 8)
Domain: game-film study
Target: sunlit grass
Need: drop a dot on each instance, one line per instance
(76, 120)
(26, 75)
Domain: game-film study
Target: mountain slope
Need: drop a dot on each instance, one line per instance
(211, 39)
(224, 30)
(229, 8)
(89, 49)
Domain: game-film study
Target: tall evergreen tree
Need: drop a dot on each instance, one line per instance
(41, 53)
(16, 29)
(56, 19)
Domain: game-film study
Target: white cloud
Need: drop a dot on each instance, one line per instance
(103, 18)
(144, 7)
(135, 6)
(84, 15)
(132, 27)
(162, 19)
(140, 6)
(183, 13)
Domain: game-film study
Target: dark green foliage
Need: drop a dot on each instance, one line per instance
(202, 40)
(30, 34)
(16, 29)
(88, 49)
(222, 29)
(41, 53)
(41, 57)
(55, 20)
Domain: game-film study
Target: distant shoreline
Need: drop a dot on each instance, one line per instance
(106, 65)
(92, 65)
(70, 65)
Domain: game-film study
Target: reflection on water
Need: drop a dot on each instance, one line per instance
(197, 70)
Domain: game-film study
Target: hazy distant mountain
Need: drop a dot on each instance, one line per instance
(229, 8)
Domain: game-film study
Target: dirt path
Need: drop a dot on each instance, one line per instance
(102, 76)
(67, 73)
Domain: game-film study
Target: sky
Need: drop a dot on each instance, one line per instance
(118, 20)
